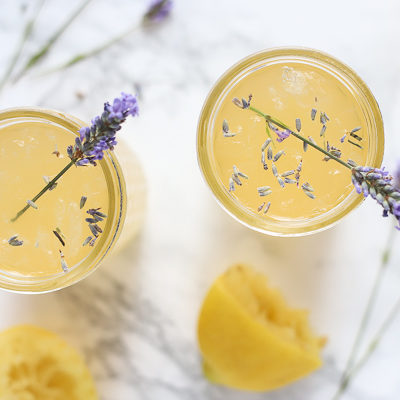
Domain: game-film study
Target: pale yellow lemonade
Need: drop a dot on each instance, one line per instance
(286, 91)
(26, 159)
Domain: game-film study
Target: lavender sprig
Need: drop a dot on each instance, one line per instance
(157, 11)
(380, 186)
(94, 140)
(367, 180)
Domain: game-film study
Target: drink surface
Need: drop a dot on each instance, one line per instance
(25, 159)
(287, 91)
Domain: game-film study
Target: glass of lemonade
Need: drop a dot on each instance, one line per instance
(50, 250)
(331, 104)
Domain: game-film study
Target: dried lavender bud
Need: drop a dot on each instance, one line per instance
(32, 204)
(236, 180)
(288, 173)
(298, 124)
(274, 170)
(82, 202)
(282, 135)
(280, 180)
(269, 153)
(323, 129)
(261, 207)
(266, 144)
(231, 185)
(288, 180)
(278, 155)
(267, 207)
(343, 138)
(313, 113)
(86, 241)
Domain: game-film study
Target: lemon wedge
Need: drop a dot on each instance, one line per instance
(249, 337)
(36, 364)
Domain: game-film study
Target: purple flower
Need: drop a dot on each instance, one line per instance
(380, 185)
(282, 135)
(158, 10)
(100, 136)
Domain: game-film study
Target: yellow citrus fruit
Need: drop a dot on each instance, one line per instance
(36, 364)
(249, 338)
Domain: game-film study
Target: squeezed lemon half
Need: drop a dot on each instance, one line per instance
(36, 364)
(249, 337)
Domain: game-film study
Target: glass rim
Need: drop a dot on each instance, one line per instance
(227, 80)
(116, 190)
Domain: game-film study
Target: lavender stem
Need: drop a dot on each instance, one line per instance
(276, 122)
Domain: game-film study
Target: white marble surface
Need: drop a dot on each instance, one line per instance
(135, 318)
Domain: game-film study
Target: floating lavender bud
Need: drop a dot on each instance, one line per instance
(231, 185)
(288, 173)
(288, 180)
(267, 207)
(278, 155)
(93, 230)
(58, 236)
(282, 135)
(298, 124)
(274, 170)
(242, 103)
(236, 180)
(225, 126)
(309, 194)
(82, 202)
(306, 186)
(269, 153)
(305, 146)
(354, 144)
(64, 265)
(91, 220)
(263, 157)
(351, 163)
(266, 144)
(323, 129)
(313, 113)
(243, 175)
(280, 180)
(356, 129)
(342, 139)
(323, 118)
(86, 241)
(32, 204)
(263, 188)
(261, 207)
(355, 136)
(311, 140)
(235, 171)
(13, 241)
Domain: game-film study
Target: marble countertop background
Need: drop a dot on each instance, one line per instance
(135, 318)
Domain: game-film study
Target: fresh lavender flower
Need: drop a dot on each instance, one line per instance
(158, 10)
(94, 140)
(379, 184)
(282, 135)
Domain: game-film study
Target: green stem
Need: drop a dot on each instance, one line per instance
(25, 35)
(276, 122)
(45, 189)
(370, 349)
(351, 370)
(44, 50)
(94, 52)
